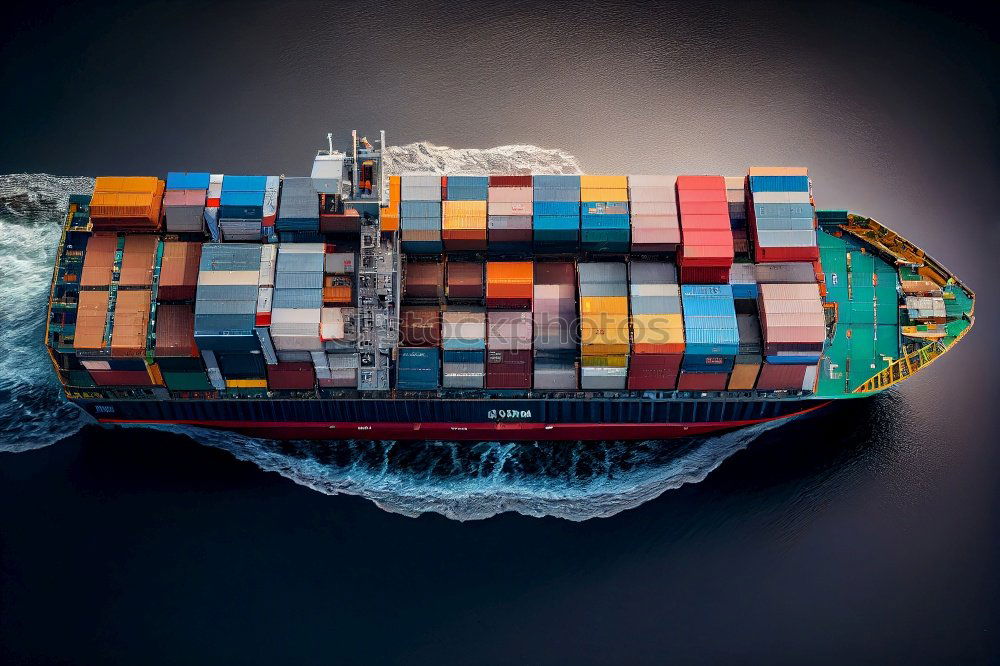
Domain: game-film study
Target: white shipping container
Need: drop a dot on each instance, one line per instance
(781, 197)
(509, 195)
(228, 278)
(302, 248)
(339, 263)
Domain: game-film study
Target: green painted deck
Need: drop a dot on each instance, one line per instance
(866, 336)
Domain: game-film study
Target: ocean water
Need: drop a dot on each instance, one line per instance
(866, 532)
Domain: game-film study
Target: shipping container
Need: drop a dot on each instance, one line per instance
(463, 328)
(175, 332)
(420, 187)
(91, 321)
(131, 323)
(509, 330)
(702, 381)
(744, 375)
(508, 369)
(138, 257)
(423, 280)
(466, 281)
(510, 181)
(509, 284)
(291, 376)
(649, 372)
(781, 377)
(420, 326)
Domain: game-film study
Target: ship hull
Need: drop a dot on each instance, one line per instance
(472, 420)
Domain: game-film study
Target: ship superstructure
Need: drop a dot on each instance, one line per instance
(355, 303)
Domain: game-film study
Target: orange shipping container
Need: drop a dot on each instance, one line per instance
(779, 171)
(179, 271)
(744, 376)
(337, 290)
(128, 337)
(389, 216)
(137, 260)
(91, 320)
(99, 260)
(127, 202)
(509, 283)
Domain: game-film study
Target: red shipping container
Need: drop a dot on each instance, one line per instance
(508, 369)
(703, 275)
(769, 254)
(555, 272)
(688, 207)
(466, 280)
(703, 381)
(701, 183)
(653, 371)
(298, 375)
(510, 181)
(121, 378)
(777, 377)
(444, 188)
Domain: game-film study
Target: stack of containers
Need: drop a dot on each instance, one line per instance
(225, 314)
(463, 341)
(176, 352)
(272, 191)
(748, 361)
(782, 216)
(712, 337)
(736, 198)
(297, 309)
(466, 282)
(133, 203)
(653, 201)
(707, 239)
(463, 225)
(339, 342)
(555, 315)
(418, 368)
(420, 214)
(213, 199)
(794, 328)
(389, 216)
(604, 213)
(604, 326)
(556, 213)
(510, 213)
(508, 345)
(299, 209)
(241, 210)
(657, 326)
(265, 301)
(509, 293)
(743, 280)
(419, 326)
(178, 271)
(184, 202)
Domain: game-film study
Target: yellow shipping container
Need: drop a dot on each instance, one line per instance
(603, 194)
(604, 334)
(604, 361)
(605, 182)
(658, 329)
(612, 305)
(463, 215)
(246, 383)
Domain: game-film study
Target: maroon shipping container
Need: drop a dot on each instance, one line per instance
(466, 280)
(508, 369)
(648, 372)
(298, 375)
(510, 235)
(420, 326)
(510, 181)
(121, 377)
(768, 254)
(424, 280)
(704, 275)
(702, 381)
(175, 331)
(178, 271)
(776, 377)
(444, 188)
(555, 272)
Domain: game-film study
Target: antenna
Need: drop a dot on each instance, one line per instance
(329, 140)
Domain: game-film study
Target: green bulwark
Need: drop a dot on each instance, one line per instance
(867, 335)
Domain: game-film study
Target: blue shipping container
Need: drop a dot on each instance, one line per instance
(464, 356)
(555, 180)
(561, 208)
(418, 369)
(779, 183)
(244, 183)
(183, 180)
(705, 363)
(420, 209)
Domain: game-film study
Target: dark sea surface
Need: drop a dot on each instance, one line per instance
(869, 532)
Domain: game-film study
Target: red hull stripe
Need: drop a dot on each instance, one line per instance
(465, 431)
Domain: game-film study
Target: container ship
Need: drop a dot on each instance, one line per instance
(352, 303)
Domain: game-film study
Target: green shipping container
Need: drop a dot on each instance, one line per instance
(187, 381)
